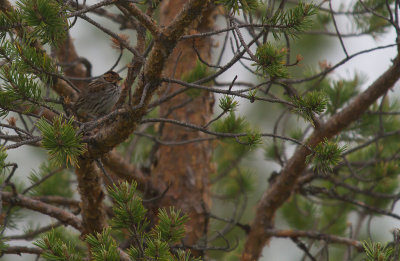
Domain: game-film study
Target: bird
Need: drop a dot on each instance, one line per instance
(99, 97)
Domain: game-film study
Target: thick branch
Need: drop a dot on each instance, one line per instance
(63, 216)
(185, 17)
(58, 200)
(283, 187)
(124, 169)
(92, 195)
(126, 123)
(19, 250)
(144, 19)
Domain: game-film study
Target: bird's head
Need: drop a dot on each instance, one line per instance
(112, 77)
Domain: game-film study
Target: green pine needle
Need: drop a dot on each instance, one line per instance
(50, 180)
(27, 59)
(8, 21)
(3, 244)
(292, 21)
(227, 103)
(47, 18)
(134, 253)
(185, 256)
(327, 154)
(170, 227)
(340, 92)
(158, 250)
(377, 251)
(129, 211)
(200, 71)
(369, 22)
(238, 183)
(61, 140)
(231, 124)
(18, 86)
(21, 78)
(296, 134)
(3, 156)
(307, 105)
(151, 244)
(103, 246)
(56, 248)
(253, 139)
(271, 61)
(252, 95)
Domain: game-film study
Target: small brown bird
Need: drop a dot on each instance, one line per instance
(99, 97)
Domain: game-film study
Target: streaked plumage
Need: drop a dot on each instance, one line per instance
(99, 97)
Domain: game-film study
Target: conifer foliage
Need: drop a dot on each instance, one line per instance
(164, 177)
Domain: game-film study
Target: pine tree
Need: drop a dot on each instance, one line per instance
(163, 176)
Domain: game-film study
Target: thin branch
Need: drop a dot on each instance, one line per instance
(109, 32)
(283, 187)
(43, 179)
(315, 235)
(333, 194)
(219, 134)
(24, 142)
(91, 8)
(337, 30)
(238, 93)
(332, 68)
(33, 234)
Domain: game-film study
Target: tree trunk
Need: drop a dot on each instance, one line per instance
(185, 169)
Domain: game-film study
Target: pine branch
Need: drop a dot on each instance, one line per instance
(126, 123)
(314, 235)
(47, 209)
(92, 7)
(30, 235)
(282, 188)
(117, 18)
(125, 170)
(143, 18)
(18, 250)
(58, 200)
(60, 87)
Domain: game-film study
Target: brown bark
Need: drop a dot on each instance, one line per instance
(124, 170)
(63, 216)
(185, 169)
(88, 176)
(18, 250)
(283, 187)
(124, 124)
(5, 5)
(126, 121)
(92, 195)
